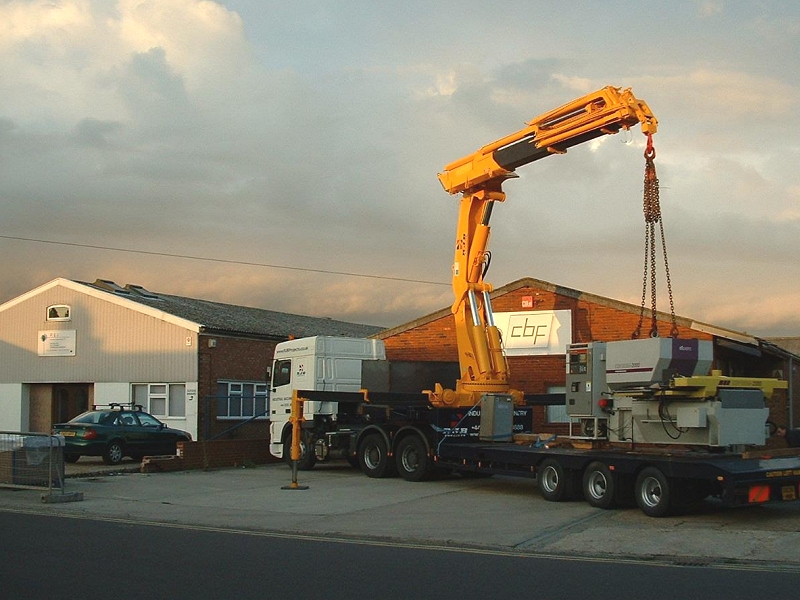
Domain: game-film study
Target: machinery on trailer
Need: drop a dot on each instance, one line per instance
(652, 423)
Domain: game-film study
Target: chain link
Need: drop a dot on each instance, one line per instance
(652, 215)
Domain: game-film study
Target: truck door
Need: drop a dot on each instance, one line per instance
(280, 407)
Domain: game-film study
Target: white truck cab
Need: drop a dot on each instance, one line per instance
(319, 363)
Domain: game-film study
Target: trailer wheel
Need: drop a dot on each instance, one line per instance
(413, 462)
(653, 493)
(554, 483)
(373, 457)
(599, 485)
(307, 457)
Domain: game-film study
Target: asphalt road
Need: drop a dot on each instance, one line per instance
(65, 556)
(496, 514)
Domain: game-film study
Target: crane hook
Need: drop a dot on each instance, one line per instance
(650, 151)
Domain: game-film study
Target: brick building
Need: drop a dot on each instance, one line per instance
(197, 365)
(563, 315)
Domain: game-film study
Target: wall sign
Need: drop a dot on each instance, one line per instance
(57, 343)
(535, 332)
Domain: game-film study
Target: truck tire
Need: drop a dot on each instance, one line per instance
(307, 457)
(599, 485)
(413, 462)
(653, 493)
(373, 457)
(554, 482)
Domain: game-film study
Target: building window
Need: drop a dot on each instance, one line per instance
(59, 312)
(557, 413)
(161, 399)
(242, 400)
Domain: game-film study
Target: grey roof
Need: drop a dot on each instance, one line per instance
(220, 318)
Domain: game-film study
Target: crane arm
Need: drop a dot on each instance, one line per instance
(479, 177)
(603, 112)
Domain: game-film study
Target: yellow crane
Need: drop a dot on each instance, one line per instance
(479, 178)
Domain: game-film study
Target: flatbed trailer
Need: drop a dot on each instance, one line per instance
(392, 434)
(659, 481)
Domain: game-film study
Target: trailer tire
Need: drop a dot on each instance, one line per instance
(307, 457)
(413, 461)
(599, 486)
(554, 482)
(653, 493)
(373, 457)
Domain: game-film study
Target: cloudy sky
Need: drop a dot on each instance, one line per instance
(296, 144)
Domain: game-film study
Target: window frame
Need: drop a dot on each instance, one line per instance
(63, 312)
(236, 389)
(160, 391)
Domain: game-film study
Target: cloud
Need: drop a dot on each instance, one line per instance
(710, 8)
(311, 137)
(75, 58)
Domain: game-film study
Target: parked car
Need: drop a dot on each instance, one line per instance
(116, 432)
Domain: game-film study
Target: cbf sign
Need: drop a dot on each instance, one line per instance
(532, 333)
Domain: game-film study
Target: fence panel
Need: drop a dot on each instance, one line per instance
(31, 461)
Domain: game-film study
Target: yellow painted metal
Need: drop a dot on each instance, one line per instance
(707, 386)
(296, 419)
(605, 111)
(483, 365)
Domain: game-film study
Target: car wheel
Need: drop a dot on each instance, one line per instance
(71, 458)
(114, 452)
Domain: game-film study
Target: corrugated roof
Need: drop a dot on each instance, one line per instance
(217, 317)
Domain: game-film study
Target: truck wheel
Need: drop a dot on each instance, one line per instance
(599, 485)
(653, 493)
(373, 457)
(307, 457)
(554, 482)
(413, 462)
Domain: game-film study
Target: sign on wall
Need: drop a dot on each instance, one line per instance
(535, 332)
(57, 343)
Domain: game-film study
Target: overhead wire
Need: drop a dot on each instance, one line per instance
(225, 261)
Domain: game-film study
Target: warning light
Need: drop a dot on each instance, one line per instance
(605, 404)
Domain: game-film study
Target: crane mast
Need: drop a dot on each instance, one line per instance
(479, 178)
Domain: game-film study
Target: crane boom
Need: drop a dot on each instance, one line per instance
(603, 112)
(479, 178)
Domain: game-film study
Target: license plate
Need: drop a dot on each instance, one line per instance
(788, 492)
(67, 433)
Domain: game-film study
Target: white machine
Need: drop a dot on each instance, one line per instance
(662, 391)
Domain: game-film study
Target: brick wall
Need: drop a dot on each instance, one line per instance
(233, 359)
(591, 321)
(212, 455)
(532, 374)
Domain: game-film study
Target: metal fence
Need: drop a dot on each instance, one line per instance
(32, 461)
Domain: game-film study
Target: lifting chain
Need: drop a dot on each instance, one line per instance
(652, 215)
